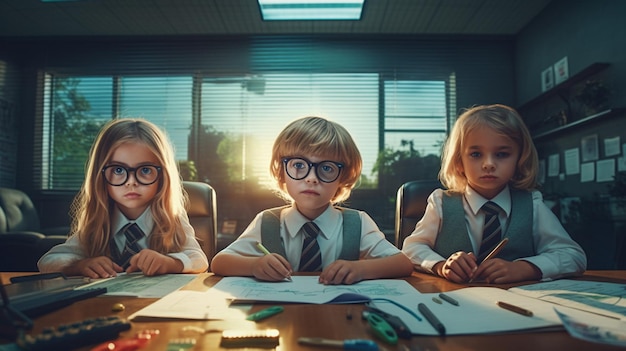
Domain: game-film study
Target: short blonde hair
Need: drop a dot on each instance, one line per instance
(504, 121)
(318, 136)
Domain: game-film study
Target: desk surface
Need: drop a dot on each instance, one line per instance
(328, 321)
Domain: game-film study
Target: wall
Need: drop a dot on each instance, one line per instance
(586, 32)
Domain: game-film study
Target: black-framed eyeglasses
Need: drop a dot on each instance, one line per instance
(117, 175)
(298, 168)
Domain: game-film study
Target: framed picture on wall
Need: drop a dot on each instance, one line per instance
(547, 79)
(589, 148)
(561, 70)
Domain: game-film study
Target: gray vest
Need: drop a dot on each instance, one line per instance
(350, 251)
(454, 234)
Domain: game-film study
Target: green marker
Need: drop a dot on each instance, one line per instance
(268, 312)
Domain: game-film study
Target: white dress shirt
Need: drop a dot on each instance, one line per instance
(557, 254)
(191, 255)
(373, 241)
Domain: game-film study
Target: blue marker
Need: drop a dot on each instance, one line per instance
(349, 344)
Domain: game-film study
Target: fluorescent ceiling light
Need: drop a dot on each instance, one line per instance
(293, 10)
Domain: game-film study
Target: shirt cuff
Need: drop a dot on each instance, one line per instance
(187, 265)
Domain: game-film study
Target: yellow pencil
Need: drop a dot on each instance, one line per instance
(516, 309)
(262, 248)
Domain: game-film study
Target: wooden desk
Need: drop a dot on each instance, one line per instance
(328, 321)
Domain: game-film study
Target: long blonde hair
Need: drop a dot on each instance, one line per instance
(92, 207)
(318, 136)
(504, 121)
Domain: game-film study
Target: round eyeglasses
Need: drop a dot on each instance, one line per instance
(298, 168)
(117, 175)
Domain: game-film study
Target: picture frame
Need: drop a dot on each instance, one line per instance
(547, 79)
(561, 71)
(589, 148)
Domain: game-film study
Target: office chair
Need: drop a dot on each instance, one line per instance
(22, 239)
(202, 212)
(411, 205)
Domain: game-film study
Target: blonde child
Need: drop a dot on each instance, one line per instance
(490, 157)
(132, 186)
(316, 164)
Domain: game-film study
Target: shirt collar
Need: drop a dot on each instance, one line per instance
(476, 201)
(294, 220)
(145, 221)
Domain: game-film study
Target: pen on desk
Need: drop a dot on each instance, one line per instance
(431, 318)
(448, 299)
(265, 251)
(268, 312)
(494, 252)
(516, 309)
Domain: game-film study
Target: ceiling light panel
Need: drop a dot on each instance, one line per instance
(315, 10)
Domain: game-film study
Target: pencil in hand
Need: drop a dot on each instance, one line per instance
(493, 253)
(262, 248)
(496, 249)
(266, 252)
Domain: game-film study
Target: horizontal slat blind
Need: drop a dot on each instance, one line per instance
(225, 99)
(254, 110)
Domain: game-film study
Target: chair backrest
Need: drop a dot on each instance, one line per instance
(21, 243)
(202, 214)
(17, 212)
(410, 206)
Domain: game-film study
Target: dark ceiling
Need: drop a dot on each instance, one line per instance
(33, 18)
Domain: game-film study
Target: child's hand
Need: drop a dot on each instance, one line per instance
(341, 272)
(499, 271)
(272, 267)
(95, 267)
(150, 263)
(459, 267)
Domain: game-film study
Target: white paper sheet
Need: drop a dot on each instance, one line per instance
(307, 289)
(597, 297)
(187, 304)
(139, 285)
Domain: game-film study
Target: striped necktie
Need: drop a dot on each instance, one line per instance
(311, 258)
(132, 233)
(492, 231)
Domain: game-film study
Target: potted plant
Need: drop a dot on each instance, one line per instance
(187, 169)
(594, 97)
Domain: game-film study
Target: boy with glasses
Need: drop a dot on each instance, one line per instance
(315, 163)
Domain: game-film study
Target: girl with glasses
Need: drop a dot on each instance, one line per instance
(315, 163)
(130, 212)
